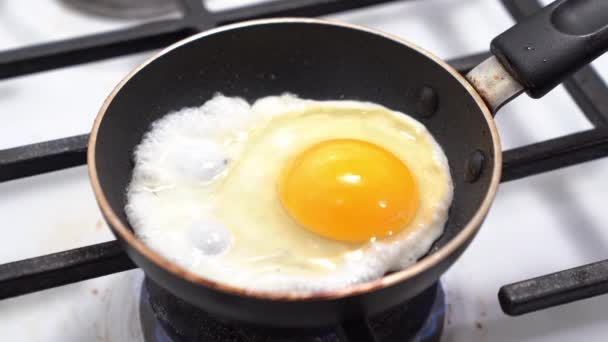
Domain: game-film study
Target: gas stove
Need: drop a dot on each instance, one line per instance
(58, 61)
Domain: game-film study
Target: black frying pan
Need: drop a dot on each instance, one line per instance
(323, 60)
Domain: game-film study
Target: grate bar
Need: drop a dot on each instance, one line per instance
(292, 8)
(554, 154)
(52, 270)
(554, 289)
(192, 8)
(589, 91)
(467, 63)
(519, 9)
(28, 60)
(43, 157)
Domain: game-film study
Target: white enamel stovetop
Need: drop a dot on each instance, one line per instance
(538, 225)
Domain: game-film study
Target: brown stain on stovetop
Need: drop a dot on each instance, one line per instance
(483, 312)
(448, 314)
(480, 322)
(94, 292)
(66, 233)
(99, 224)
(118, 318)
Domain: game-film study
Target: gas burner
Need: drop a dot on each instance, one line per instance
(166, 318)
(125, 9)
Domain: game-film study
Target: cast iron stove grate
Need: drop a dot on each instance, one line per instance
(16, 278)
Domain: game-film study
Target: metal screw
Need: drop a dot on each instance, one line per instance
(474, 165)
(427, 102)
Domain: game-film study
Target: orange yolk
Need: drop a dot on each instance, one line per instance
(349, 190)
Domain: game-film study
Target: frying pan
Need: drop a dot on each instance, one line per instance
(327, 60)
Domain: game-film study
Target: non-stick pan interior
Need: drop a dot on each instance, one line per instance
(313, 60)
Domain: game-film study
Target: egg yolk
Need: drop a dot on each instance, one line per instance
(349, 190)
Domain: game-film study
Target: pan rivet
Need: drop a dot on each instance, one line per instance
(426, 102)
(473, 166)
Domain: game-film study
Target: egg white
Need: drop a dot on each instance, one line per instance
(203, 192)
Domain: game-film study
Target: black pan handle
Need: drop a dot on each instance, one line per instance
(546, 47)
(554, 289)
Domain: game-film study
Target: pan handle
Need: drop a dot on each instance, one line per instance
(553, 43)
(542, 50)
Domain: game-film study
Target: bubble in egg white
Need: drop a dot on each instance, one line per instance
(198, 159)
(209, 237)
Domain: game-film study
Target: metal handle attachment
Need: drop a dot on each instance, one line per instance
(495, 85)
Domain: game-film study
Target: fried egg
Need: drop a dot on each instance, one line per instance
(289, 194)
